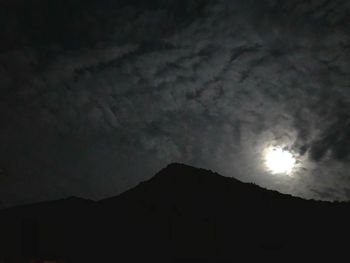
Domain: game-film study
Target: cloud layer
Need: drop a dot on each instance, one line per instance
(94, 103)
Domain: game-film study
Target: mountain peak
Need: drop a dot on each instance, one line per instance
(182, 176)
(196, 211)
(184, 171)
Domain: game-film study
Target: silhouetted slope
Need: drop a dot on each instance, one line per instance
(182, 214)
(46, 229)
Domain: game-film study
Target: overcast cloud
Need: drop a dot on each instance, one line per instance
(98, 98)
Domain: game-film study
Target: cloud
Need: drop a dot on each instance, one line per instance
(210, 85)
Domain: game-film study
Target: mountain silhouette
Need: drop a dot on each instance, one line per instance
(182, 214)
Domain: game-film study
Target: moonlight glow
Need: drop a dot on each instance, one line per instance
(279, 161)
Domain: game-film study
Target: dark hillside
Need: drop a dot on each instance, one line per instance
(183, 214)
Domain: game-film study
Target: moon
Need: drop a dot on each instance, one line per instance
(279, 161)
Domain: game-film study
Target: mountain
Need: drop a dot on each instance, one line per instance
(182, 214)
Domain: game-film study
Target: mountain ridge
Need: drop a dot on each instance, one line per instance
(175, 169)
(182, 214)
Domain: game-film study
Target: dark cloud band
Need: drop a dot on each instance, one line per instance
(95, 100)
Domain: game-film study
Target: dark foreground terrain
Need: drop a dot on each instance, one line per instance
(183, 214)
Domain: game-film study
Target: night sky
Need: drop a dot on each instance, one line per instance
(97, 96)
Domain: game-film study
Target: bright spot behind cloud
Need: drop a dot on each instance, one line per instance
(279, 161)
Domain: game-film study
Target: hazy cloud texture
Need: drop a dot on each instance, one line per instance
(99, 95)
